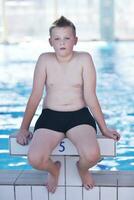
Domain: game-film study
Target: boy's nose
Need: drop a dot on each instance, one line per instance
(62, 41)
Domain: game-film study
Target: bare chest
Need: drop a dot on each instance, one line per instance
(64, 76)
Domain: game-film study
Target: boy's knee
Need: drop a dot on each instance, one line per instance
(37, 161)
(34, 160)
(96, 156)
(92, 156)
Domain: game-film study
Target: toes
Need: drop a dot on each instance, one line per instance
(53, 189)
(91, 186)
(88, 186)
(49, 188)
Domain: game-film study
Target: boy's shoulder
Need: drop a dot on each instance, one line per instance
(83, 54)
(46, 55)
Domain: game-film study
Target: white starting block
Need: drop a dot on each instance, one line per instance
(107, 147)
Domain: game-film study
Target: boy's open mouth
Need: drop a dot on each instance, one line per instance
(62, 48)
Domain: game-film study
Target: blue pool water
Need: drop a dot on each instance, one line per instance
(115, 71)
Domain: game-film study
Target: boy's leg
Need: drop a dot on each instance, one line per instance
(84, 139)
(43, 143)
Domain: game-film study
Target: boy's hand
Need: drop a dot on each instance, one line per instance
(111, 133)
(23, 136)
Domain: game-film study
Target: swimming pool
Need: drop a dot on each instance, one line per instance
(115, 70)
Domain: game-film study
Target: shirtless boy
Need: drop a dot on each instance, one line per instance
(70, 80)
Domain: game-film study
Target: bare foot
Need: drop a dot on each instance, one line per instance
(52, 180)
(86, 178)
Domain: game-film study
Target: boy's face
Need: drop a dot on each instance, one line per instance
(63, 40)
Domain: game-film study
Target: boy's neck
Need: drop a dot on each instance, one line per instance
(64, 59)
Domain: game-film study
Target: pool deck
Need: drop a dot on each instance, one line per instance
(29, 185)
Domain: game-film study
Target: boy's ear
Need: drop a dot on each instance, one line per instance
(76, 40)
(50, 42)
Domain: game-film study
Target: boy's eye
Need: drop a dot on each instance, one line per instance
(66, 38)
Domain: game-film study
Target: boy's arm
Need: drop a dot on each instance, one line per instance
(89, 78)
(36, 95)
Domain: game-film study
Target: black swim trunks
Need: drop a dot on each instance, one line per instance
(62, 121)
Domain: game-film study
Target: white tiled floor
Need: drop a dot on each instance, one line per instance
(65, 193)
(126, 193)
(29, 185)
(39, 193)
(74, 193)
(58, 195)
(91, 194)
(108, 193)
(6, 192)
(23, 192)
